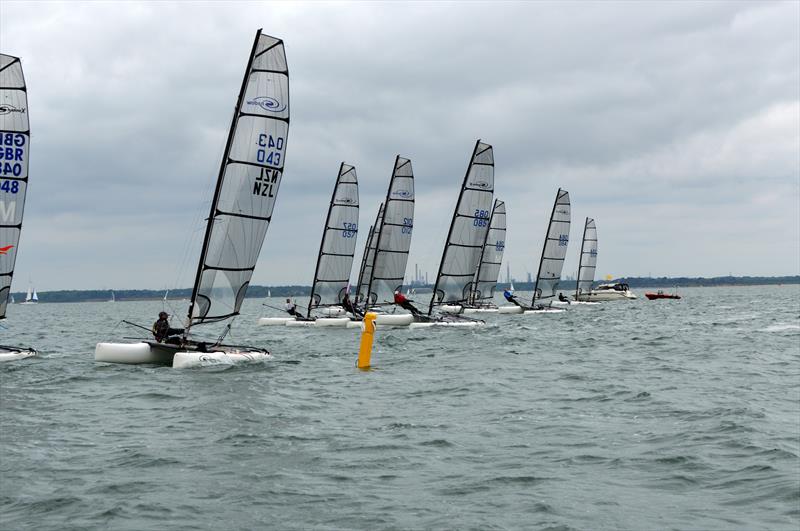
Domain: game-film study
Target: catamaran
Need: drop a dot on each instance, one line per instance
(14, 139)
(466, 239)
(335, 259)
(488, 272)
(551, 263)
(241, 210)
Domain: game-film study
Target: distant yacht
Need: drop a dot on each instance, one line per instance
(112, 299)
(31, 297)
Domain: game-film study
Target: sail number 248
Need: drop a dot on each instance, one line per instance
(270, 149)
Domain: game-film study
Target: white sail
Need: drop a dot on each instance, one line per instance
(554, 250)
(14, 154)
(35, 297)
(368, 259)
(335, 260)
(29, 294)
(587, 261)
(248, 182)
(464, 245)
(489, 265)
(394, 235)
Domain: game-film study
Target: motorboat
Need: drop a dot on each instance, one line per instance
(661, 295)
(608, 292)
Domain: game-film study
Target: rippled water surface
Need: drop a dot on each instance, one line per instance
(630, 415)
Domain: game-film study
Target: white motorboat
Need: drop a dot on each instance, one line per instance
(608, 292)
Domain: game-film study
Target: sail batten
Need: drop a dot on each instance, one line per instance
(554, 250)
(248, 182)
(492, 255)
(467, 234)
(338, 245)
(15, 143)
(587, 261)
(393, 236)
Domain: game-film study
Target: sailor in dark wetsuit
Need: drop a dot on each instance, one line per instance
(291, 309)
(562, 298)
(403, 302)
(163, 332)
(348, 305)
(511, 298)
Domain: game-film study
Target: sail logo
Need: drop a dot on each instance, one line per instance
(8, 211)
(563, 239)
(479, 184)
(593, 253)
(565, 212)
(405, 194)
(268, 103)
(5, 108)
(344, 201)
(4, 250)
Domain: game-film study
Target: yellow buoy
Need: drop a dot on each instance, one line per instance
(367, 336)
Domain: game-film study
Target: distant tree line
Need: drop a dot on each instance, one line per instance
(260, 292)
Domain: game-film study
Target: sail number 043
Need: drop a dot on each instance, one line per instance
(12, 155)
(269, 149)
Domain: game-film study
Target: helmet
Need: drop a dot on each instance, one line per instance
(163, 315)
(397, 292)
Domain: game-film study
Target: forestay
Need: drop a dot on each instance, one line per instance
(492, 256)
(554, 250)
(367, 261)
(394, 235)
(14, 154)
(588, 258)
(248, 182)
(462, 250)
(335, 260)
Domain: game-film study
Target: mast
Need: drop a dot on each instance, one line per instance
(462, 236)
(560, 241)
(341, 227)
(246, 187)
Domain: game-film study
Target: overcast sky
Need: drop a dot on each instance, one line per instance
(675, 125)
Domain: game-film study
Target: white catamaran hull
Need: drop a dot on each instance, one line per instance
(274, 321)
(448, 324)
(574, 303)
(544, 310)
(394, 319)
(509, 309)
(144, 354)
(15, 355)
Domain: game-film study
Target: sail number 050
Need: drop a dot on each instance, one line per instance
(269, 148)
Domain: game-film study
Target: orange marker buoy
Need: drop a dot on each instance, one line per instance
(367, 337)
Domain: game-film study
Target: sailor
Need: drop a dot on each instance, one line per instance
(562, 298)
(348, 305)
(403, 302)
(162, 331)
(291, 309)
(511, 298)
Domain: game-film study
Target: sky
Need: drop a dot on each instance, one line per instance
(675, 125)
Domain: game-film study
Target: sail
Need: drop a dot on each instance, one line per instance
(367, 261)
(14, 153)
(394, 235)
(464, 245)
(35, 297)
(489, 265)
(335, 260)
(248, 182)
(554, 250)
(29, 294)
(588, 258)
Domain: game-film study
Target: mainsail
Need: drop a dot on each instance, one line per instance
(464, 245)
(335, 260)
(588, 258)
(367, 261)
(14, 152)
(248, 182)
(492, 256)
(394, 235)
(554, 250)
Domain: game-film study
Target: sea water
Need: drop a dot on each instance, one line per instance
(629, 415)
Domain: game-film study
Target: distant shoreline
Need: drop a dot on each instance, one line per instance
(260, 292)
